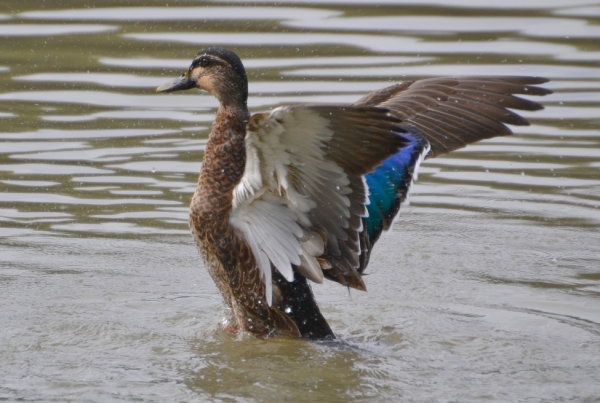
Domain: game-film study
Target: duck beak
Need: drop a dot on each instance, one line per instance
(180, 83)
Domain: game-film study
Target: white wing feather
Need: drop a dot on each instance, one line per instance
(271, 209)
(272, 233)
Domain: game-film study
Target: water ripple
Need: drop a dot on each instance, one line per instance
(180, 13)
(376, 43)
(25, 30)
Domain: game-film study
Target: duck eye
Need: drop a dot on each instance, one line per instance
(204, 62)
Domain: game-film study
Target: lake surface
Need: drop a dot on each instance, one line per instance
(487, 288)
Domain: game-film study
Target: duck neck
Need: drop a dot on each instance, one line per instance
(225, 158)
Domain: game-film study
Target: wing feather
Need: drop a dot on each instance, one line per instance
(272, 233)
(304, 179)
(451, 112)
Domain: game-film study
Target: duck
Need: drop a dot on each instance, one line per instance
(302, 193)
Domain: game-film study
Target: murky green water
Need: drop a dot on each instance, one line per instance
(486, 289)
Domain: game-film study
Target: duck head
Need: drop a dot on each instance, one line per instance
(216, 70)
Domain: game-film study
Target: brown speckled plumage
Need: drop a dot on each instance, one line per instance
(227, 257)
(437, 115)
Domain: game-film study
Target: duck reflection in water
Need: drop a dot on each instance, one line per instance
(304, 192)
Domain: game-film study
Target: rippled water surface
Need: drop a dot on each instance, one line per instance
(486, 289)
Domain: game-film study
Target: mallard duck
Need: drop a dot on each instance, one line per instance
(303, 192)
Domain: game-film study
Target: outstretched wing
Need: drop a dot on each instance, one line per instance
(301, 202)
(440, 114)
(451, 112)
(323, 182)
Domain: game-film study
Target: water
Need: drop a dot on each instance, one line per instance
(486, 289)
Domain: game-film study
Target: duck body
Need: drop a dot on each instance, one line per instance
(227, 256)
(304, 192)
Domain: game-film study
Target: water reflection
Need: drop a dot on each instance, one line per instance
(375, 43)
(181, 13)
(111, 99)
(467, 4)
(51, 169)
(161, 166)
(562, 72)
(292, 369)
(31, 183)
(51, 198)
(441, 25)
(584, 12)
(581, 56)
(25, 30)
(54, 134)
(117, 228)
(109, 80)
(258, 63)
(9, 147)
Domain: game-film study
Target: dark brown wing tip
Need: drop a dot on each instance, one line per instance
(351, 279)
(524, 79)
(357, 283)
(529, 84)
(532, 90)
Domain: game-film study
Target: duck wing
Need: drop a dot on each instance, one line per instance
(443, 114)
(302, 199)
(451, 112)
(323, 182)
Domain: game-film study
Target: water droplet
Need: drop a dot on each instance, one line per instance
(288, 310)
(153, 170)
